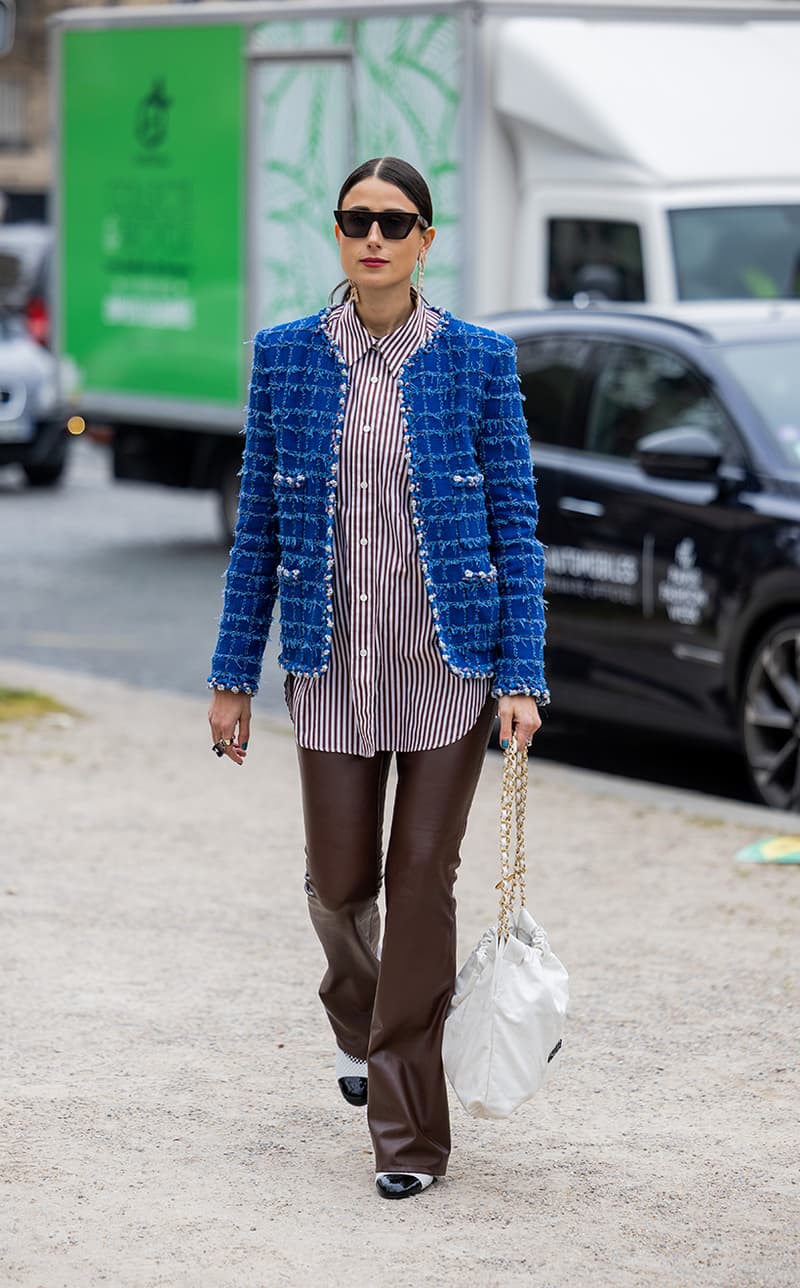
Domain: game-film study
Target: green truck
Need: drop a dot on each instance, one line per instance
(200, 148)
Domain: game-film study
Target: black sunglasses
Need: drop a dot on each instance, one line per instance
(395, 225)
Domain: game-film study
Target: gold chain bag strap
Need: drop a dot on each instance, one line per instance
(513, 799)
(506, 1019)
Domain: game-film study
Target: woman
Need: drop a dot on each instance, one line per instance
(387, 497)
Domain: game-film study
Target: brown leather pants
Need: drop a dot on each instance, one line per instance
(392, 1011)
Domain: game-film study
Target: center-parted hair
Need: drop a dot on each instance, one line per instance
(398, 172)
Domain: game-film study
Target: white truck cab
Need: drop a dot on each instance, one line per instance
(646, 160)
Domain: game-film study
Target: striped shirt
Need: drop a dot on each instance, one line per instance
(388, 687)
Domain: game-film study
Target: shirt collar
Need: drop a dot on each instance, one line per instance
(354, 340)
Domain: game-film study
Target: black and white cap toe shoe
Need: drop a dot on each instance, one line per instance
(351, 1074)
(402, 1185)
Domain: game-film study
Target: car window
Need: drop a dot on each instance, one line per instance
(639, 390)
(24, 258)
(769, 371)
(550, 370)
(601, 258)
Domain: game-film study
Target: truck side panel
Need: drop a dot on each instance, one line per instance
(323, 98)
(152, 254)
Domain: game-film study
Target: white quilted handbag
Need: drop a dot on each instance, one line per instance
(506, 1020)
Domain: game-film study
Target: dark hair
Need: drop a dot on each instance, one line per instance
(401, 174)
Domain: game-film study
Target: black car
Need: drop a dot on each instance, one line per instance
(667, 454)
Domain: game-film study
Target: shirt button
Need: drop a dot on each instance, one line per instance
(366, 429)
(373, 380)
(363, 541)
(362, 652)
(363, 483)
(363, 598)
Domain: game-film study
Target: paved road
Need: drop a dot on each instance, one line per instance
(120, 580)
(124, 581)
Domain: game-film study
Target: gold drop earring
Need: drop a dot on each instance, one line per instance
(420, 273)
(353, 292)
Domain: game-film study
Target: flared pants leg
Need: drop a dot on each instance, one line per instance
(392, 1011)
(343, 800)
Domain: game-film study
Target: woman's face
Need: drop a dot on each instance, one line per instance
(374, 261)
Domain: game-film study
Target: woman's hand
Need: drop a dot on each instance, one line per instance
(518, 714)
(229, 717)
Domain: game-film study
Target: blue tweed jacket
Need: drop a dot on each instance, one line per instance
(472, 498)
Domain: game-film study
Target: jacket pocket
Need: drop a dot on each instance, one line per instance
(469, 503)
(290, 504)
(478, 601)
(292, 593)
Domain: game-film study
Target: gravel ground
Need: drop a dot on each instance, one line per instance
(171, 1116)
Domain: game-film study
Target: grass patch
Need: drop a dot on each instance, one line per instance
(26, 704)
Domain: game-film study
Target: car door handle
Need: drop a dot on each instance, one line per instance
(574, 505)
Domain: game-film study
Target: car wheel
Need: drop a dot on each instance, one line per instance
(44, 475)
(771, 716)
(229, 496)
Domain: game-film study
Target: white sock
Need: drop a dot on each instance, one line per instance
(349, 1066)
(424, 1178)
